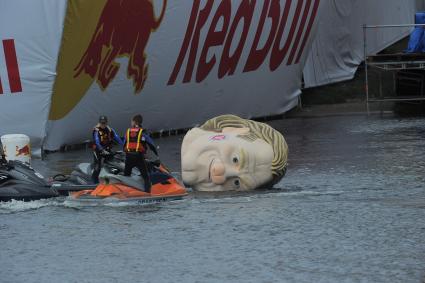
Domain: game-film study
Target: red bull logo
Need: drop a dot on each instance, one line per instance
(24, 151)
(95, 35)
(223, 38)
(123, 29)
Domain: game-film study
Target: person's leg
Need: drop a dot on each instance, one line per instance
(129, 164)
(97, 166)
(143, 168)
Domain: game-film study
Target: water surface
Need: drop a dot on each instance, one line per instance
(350, 209)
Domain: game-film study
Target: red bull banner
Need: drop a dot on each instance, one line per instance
(30, 33)
(177, 63)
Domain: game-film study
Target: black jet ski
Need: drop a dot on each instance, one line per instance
(112, 171)
(19, 181)
(81, 179)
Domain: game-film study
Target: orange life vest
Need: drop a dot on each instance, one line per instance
(105, 136)
(134, 141)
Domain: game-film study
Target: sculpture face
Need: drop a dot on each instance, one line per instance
(224, 161)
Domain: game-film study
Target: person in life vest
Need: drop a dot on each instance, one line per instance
(103, 137)
(4, 163)
(136, 144)
(2, 155)
(3, 160)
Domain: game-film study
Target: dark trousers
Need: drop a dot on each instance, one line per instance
(138, 160)
(97, 165)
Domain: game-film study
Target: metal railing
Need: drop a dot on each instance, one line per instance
(389, 66)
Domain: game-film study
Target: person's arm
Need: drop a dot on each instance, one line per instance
(124, 139)
(117, 138)
(97, 140)
(150, 143)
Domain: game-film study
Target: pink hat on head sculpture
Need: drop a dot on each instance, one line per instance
(228, 153)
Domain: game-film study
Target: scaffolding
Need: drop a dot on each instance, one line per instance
(391, 62)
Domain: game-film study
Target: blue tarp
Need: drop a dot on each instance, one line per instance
(417, 38)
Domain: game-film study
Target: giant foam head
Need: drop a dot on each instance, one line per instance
(230, 153)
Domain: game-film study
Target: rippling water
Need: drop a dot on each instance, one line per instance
(351, 209)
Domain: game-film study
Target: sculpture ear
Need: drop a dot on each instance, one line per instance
(237, 131)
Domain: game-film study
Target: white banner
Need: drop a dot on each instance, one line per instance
(30, 33)
(337, 49)
(177, 63)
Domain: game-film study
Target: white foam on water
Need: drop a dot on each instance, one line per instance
(19, 206)
(72, 203)
(14, 206)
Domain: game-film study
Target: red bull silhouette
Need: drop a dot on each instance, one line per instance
(123, 30)
(24, 151)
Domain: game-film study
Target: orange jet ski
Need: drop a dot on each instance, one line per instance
(161, 192)
(116, 187)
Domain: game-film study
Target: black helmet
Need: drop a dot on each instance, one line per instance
(103, 119)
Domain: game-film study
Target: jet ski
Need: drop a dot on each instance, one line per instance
(19, 181)
(81, 177)
(114, 186)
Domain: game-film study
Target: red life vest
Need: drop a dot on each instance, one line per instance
(134, 141)
(105, 136)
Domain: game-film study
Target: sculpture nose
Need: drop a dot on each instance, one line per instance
(217, 172)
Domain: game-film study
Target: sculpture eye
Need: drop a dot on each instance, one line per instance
(237, 183)
(235, 160)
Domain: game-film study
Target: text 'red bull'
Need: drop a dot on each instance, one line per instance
(222, 31)
(123, 29)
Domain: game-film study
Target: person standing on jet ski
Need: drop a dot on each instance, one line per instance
(103, 137)
(135, 147)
